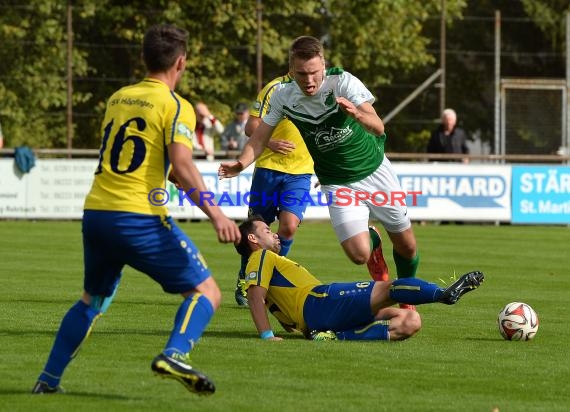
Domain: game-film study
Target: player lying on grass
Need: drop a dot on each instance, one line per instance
(347, 311)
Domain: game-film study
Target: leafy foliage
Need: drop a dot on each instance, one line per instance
(33, 88)
(221, 55)
(385, 37)
(549, 16)
(526, 51)
(387, 44)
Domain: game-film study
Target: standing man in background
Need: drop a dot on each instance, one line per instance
(283, 173)
(448, 138)
(234, 137)
(147, 127)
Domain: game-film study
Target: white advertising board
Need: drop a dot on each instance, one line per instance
(56, 188)
(455, 191)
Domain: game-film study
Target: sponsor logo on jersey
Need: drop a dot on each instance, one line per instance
(184, 130)
(328, 139)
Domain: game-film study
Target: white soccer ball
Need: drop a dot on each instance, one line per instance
(517, 321)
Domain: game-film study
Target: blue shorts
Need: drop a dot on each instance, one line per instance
(339, 306)
(150, 244)
(273, 192)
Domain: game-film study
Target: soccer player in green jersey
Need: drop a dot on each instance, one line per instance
(147, 130)
(333, 111)
(347, 311)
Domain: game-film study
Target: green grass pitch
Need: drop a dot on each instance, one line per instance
(457, 362)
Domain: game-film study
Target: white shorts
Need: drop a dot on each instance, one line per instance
(379, 194)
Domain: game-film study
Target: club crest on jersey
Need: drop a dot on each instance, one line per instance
(329, 99)
(257, 105)
(184, 130)
(251, 276)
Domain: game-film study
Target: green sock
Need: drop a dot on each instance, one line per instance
(374, 239)
(406, 268)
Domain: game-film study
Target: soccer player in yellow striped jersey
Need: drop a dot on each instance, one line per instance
(128, 170)
(286, 151)
(147, 127)
(346, 311)
(281, 179)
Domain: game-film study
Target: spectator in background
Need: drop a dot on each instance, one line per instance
(234, 137)
(207, 126)
(448, 138)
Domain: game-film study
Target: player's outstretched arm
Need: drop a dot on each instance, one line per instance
(252, 150)
(278, 146)
(256, 300)
(188, 177)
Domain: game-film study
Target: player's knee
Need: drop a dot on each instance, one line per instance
(411, 324)
(287, 231)
(288, 228)
(357, 248)
(214, 295)
(217, 299)
(210, 290)
(359, 258)
(405, 325)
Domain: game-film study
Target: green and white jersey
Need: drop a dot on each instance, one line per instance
(343, 151)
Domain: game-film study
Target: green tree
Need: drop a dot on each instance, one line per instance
(378, 41)
(550, 17)
(32, 77)
(381, 39)
(527, 51)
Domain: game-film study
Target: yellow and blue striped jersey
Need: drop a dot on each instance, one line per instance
(287, 284)
(141, 120)
(296, 162)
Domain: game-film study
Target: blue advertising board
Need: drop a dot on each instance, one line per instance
(541, 194)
